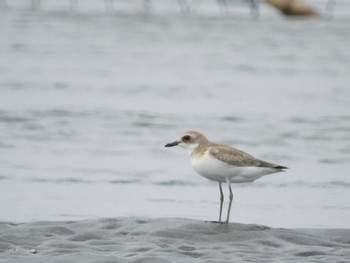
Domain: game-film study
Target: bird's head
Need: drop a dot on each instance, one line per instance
(189, 140)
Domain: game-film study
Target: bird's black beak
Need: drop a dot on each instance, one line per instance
(171, 144)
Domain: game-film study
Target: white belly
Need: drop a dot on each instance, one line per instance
(216, 170)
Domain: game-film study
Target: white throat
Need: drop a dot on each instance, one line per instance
(191, 148)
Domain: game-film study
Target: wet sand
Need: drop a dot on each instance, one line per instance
(167, 240)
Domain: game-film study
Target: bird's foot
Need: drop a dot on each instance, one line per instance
(217, 222)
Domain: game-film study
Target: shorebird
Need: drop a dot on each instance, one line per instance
(223, 164)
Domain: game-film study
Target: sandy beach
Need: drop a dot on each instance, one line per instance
(167, 240)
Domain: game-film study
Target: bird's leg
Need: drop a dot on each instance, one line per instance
(184, 6)
(221, 201)
(223, 7)
(254, 8)
(230, 203)
(147, 4)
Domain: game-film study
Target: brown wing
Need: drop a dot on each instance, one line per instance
(237, 157)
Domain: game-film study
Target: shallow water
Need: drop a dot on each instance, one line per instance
(88, 99)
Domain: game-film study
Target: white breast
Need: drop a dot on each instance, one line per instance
(216, 170)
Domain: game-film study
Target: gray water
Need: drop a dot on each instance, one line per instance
(89, 98)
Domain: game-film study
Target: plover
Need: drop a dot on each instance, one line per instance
(223, 163)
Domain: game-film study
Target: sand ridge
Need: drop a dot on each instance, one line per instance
(167, 240)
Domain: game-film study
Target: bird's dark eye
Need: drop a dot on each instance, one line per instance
(186, 138)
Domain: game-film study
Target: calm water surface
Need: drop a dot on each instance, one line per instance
(88, 99)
